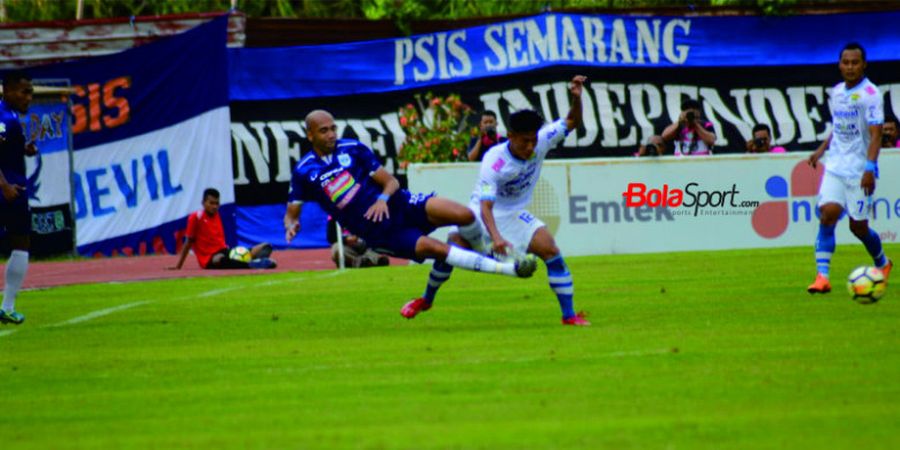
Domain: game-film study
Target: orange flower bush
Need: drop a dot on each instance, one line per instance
(436, 131)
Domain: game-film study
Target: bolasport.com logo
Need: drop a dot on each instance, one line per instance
(692, 200)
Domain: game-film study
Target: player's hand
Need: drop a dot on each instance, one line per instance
(12, 191)
(378, 211)
(31, 149)
(291, 231)
(868, 183)
(577, 85)
(500, 246)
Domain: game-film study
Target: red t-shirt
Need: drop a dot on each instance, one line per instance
(207, 233)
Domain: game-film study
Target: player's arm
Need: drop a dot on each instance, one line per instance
(817, 155)
(868, 178)
(292, 220)
(573, 119)
(389, 185)
(487, 216)
(10, 191)
(185, 249)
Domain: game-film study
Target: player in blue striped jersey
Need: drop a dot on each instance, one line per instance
(347, 181)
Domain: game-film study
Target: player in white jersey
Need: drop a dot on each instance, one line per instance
(509, 173)
(851, 164)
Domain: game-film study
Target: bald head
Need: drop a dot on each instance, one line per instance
(321, 131)
(316, 116)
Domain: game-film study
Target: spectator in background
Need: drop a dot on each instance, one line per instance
(356, 252)
(889, 133)
(762, 141)
(207, 236)
(487, 137)
(691, 134)
(655, 146)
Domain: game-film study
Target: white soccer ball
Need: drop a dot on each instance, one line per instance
(240, 254)
(866, 284)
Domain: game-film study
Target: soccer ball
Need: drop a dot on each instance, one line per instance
(866, 284)
(240, 254)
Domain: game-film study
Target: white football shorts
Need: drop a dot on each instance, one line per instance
(845, 192)
(516, 226)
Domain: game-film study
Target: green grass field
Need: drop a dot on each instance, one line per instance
(688, 350)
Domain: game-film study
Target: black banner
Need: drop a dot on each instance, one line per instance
(623, 107)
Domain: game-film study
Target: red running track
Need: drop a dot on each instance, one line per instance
(155, 267)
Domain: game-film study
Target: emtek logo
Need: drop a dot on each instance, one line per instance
(771, 219)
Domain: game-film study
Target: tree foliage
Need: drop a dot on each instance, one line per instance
(400, 11)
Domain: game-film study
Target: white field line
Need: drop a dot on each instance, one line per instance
(7, 332)
(99, 313)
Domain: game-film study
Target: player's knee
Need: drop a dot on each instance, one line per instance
(431, 248)
(830, 214)
(465, 216)
(20, 242)
(456, 239)
(860, 229)
(548, 252)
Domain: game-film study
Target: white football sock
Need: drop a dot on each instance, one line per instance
(467, 259)
(473, 235)
(16, 267)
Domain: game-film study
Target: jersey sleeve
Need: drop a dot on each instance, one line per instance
(295, 192)
(874, 106)
(552, 134)
(191, 231)
(367, 159)
(489, 177)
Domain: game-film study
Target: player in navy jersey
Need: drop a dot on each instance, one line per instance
(15, 216)
(346, 180)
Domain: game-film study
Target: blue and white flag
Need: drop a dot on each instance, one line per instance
(151, 132)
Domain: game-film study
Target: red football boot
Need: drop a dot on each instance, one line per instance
(577, 320)
(414, 307)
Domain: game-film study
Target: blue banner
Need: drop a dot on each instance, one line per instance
(47, 125)
(146, 88)
(556, 40)
(151, 132)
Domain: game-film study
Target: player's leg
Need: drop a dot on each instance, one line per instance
(427, 247)
(825, 245)
(858, 206)
(17, 221)
(441, 212)
(220, 260)
(440, 273)
(263, 250)
(832, 198)
(543, 245)
(259, 257)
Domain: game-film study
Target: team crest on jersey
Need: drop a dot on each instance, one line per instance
(344, 160)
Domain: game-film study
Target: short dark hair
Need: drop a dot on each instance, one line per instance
(891, 118)
(14, 77)
(488, 112)
(853, 46)
(525, 120)
(210, 192)
(762, 127)
(690, 104)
